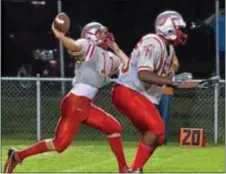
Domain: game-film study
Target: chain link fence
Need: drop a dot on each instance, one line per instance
(222, 112)
(194, 108)
(190, 108)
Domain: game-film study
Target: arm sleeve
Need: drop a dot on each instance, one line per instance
(148, 57)
(84, 44)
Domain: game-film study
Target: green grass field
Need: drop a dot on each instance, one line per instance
(95, 156)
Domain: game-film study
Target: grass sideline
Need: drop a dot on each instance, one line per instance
(95, 156)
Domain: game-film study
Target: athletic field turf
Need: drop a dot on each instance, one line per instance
(95, 156)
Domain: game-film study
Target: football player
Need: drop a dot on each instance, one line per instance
(77, 107)
(139, 85)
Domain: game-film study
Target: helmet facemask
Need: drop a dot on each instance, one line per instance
(102, 35)
(181, 36)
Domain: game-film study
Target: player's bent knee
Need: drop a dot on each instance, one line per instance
(115, 128)
(118, 128)
(61, 144)
(158, 128)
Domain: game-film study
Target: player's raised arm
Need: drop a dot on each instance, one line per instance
(114, 46)
(68, 42)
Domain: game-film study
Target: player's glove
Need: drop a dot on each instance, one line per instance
(209, 82)
(180, 78)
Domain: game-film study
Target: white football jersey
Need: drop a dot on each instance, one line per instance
(150, 54)
(97, 64)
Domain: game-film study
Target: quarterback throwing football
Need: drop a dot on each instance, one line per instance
(77, 107)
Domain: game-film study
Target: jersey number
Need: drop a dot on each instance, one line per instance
(125, 68)
(89, 52)
(103, 65)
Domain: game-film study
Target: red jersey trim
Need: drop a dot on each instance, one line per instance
(144, 68)
(89, 51)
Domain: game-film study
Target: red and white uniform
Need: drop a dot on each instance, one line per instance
(137, 99)
(150, 54)
(95, 69)
(77, 107)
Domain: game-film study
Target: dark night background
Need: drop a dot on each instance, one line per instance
(26, 27)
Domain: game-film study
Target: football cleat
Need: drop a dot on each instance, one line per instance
(12, 161)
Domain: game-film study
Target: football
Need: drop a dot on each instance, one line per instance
(62, 22)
